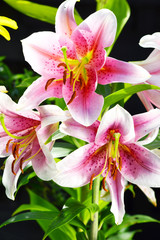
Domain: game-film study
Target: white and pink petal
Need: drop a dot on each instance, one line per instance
(140, 166)
(145, 123)
(36, 93)
(90, 160)
(75, 129)
(117, 119)
(119, 71)
(65, 22)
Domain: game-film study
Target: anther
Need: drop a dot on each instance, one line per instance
(49, 83)
(12, 167)
(81, 82)
(14, 150)
(120, 163)
(64, 76)
(20, 165)
(109, 163)
(7, 145)
(62, 65)
(71, 77)
(91, 181)
(72, 98)
(103, 184)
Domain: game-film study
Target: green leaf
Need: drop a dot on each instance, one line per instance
(129, 221)
(38, 11)
(24, 179)
(122, 11)
(124, 235)
(154, 144)
(66, 232)
(121, 94)
(62, 149)
(48, 215)
(68, 213)
(81, 236)
(26, 207)
(56, 135)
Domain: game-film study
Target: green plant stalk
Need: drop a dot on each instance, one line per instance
(83, 197)
(95, 199)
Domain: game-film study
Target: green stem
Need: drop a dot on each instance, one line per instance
(95, 199)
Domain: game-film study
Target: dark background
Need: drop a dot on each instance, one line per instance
(145, 19)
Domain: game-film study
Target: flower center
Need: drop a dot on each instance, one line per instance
(113, 160)
(19, 144)
(74, 70)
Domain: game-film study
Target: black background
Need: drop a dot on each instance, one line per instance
(145, 19)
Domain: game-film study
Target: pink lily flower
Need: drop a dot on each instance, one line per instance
(151, 64)
(72, 61)
(113, 152)
(22, 137)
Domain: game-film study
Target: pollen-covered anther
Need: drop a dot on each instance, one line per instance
(72, 98)
(7, 145)
(12, 167)
(103, 184)
(71, 77)
(64, 77)
(48, 83)
(15, 150)
(120, 163)
(114, 170)
(91, 181)
(62, 65)
(20, 165)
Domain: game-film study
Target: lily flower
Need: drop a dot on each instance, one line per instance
(5, 21)
(22, 137)
(151, 64)
(72, 61)
(114, 152)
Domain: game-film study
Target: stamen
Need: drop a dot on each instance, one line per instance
(64, 76)
(20, 165)
(7, 145)
(72, 98)
(12, 167)
(2, 116)
(103, 184)
(62, 65)
(64, 50)
(48, 83)
(120, 163)
(71, 77)
(116, 143)
(14, 150)
(109, 163)
(114, 170)
(91, 181)
(81, 82)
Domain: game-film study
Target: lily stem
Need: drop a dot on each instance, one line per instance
(95, 199)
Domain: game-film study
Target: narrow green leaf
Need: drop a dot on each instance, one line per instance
(66, 232)
(124, 235)
(67, 214)
(121, 94)
(24, 179)
(154, 144)
(129, 221)
(38, 11)
(48, 215)
(26, 207)
(81, 236)
(56, 135)
(62, 149)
